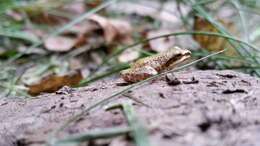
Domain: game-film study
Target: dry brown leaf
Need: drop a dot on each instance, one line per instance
(93, 3)
(108, 29)
(115, 31)
(124, 32)
(59, 43)
(82, 28)
(161, 44)
(213, 43)
(123, 28)
(124, 36)
(128, 55)
(53, 83)
(83, 33)
(45, 18)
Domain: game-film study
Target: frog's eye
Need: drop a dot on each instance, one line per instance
(174, 59)
(186, 53)
(178, 55)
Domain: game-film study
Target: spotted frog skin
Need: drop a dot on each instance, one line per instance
(152, 65)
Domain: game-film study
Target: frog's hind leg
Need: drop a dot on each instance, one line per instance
(138, 74)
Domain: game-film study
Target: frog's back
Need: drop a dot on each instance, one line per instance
(155, 61)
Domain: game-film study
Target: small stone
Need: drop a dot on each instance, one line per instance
(193, 81)
(172, 80)
(65, 90)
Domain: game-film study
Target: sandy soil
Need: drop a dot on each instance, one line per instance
(200, 108)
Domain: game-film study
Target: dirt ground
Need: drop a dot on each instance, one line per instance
(199, 108)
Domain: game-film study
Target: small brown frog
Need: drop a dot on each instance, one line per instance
(152, 65)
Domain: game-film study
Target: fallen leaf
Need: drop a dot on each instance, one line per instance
(114, 31)
(83, 33)
(161, 44)
(123, 29)
(108, 29)
(117, 32)
(54, 82)
(46, 18)
(96, 30)
(128, 56)
(82, 28)
(213, 43)
(93, 3)
(59, 43)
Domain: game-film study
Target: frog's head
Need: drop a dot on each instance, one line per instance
(177, 55)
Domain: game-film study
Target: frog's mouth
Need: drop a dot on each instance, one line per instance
(178, 59)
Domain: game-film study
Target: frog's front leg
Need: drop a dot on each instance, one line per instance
(138, 74)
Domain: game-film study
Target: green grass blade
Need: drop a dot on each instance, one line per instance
(140, 133)
(220, 57)
(242, 18)
(5, 5)
(18, 35)
(94, 134)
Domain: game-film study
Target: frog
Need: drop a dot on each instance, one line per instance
(152, 65)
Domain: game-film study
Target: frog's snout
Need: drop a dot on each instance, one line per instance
(187, 53)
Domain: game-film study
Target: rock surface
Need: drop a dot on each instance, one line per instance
(205, 108)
